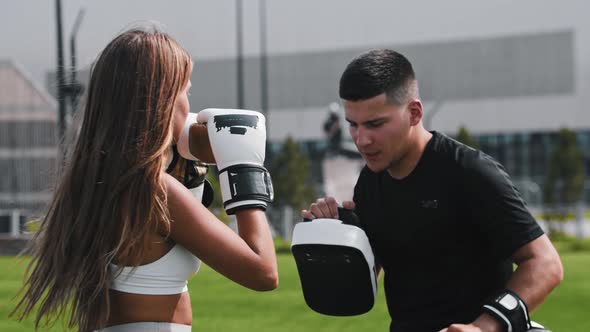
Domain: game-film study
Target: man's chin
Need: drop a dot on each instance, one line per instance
(375, 167)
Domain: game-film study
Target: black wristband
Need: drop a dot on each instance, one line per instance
(510, 310)
(247, 182)
(208, 193)
(245, 186)
(191, 177)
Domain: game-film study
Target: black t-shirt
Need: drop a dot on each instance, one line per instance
(444, 234)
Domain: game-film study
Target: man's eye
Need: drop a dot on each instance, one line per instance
(374, 124)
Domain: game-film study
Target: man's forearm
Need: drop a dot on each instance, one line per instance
(539, 271)
(535, 278)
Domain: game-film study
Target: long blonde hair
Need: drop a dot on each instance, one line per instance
(110, 197)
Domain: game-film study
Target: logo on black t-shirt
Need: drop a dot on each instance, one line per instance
(429, 204)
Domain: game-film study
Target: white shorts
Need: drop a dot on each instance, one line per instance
(148, 327)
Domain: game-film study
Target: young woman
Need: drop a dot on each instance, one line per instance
(121, 236)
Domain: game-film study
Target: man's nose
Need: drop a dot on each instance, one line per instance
(363, 137)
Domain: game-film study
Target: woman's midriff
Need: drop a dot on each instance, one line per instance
(129, 308)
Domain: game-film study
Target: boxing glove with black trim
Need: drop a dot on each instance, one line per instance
(238, 139)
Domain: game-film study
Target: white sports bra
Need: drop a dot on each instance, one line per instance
(167, 275)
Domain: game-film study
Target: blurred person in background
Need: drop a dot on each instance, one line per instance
(333, 130)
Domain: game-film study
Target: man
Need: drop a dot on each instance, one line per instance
(333, 132)
(444, 220)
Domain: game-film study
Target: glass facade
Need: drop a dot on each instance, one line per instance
(526, 158)
(524, 155)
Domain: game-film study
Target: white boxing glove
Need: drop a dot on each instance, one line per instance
(238, 139)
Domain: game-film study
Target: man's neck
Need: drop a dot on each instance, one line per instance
(408, 163)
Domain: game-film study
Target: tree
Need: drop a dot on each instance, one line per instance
(464, 137)
(564, 183)
(290, 172)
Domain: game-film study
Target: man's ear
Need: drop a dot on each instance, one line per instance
(415, 109)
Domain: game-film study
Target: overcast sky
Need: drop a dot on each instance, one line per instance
(207, 27)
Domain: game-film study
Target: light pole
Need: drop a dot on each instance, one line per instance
(239, 57)
(263, 61)
(60, 76)
(431, 113)
(264, 74)
(74, 89)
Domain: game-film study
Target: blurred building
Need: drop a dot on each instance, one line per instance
(513, 74)
(512, 92)
(28, 147)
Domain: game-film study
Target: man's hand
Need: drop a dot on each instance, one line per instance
(483, 323)
(326, 207)
(462, 328)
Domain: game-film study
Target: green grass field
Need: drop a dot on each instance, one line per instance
(220, 305)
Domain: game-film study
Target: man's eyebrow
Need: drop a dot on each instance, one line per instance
(368, 121)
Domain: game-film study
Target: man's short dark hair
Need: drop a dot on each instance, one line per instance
(378, 71)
